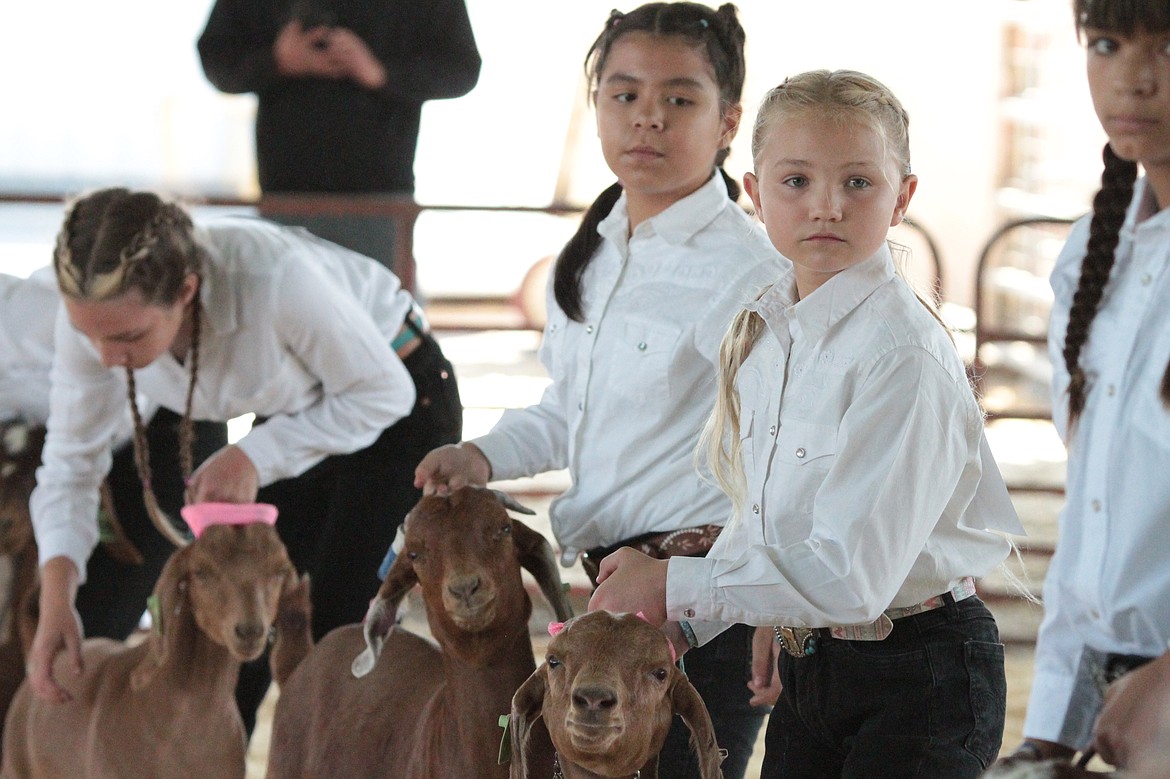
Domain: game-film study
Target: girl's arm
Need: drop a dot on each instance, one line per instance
(837, 544)
(365, 388)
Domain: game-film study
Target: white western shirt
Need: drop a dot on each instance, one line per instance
(295, 329)
(633, 384)
(28, 308)
(1108, 586)
(869, 481)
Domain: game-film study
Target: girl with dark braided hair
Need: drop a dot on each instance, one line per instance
(639, 297)
(1107, 591)
(210, 322)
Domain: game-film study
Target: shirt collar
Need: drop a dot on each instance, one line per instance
(678, 223)
(1143, 210)
(215, 297)
(843, 293)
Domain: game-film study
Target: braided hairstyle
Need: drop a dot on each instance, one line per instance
(113, 241)
(722, 38)
(1110, 202)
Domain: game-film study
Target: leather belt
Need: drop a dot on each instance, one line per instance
(801, 642)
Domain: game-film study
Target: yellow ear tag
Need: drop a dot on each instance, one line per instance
(505, 722)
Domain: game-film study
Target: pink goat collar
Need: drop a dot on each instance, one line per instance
(200, 516)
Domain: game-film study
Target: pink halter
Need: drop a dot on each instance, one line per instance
(199, 516)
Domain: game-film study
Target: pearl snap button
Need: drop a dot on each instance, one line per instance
(755, 508)
(589, 328)
(641, 346)
(689, 613)
(1096, 505)
(772, 430)
(800, 453)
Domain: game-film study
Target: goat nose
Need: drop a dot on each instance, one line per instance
(249, 631)
(594, 697)
(464, 588)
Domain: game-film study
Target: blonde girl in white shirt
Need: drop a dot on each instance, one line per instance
(1107, 590)
(852, 445)
(638, 302)
(214, 321)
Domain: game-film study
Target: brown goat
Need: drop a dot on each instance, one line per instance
(607, 692)
(20, 454)
(165, 708)
(417, 711)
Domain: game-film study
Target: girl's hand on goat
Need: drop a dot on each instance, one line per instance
(629, 581)
(228, 476)
(450, 467)
(58, 627)
(1133, 730)
(765, 683)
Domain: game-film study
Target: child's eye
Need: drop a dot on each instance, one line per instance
(1102, 44)
(796, 182)
(678, 101)
(857, 182)
(624, 97)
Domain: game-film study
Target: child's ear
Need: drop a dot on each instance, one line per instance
(732, 115)
(905, 193)
(751, 185)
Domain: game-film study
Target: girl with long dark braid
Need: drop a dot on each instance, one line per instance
(1107, 591)
(639, 299)
(210, 322)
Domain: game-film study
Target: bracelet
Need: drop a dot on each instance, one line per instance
(1028, 751)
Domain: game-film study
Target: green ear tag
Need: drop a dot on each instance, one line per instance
(505, 722)
(155, 615)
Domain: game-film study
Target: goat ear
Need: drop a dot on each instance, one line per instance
(173, 610)
(536, 556)
(688, 705)
(527, 706)
(383, 613)
(508, 502)
(294, 638)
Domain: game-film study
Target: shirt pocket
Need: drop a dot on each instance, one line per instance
(804, 453)
(646, 348)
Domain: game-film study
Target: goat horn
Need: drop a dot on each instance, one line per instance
(508, 502)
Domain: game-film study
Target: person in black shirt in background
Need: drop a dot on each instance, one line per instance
(340, 87)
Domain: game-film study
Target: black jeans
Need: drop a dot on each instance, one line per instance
(338, 518)
(113, 598)
(929, 701)
(720, 671)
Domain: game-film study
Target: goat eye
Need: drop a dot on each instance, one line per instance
(202, 574)
(553, 662)
(412, 555)
(660, 674)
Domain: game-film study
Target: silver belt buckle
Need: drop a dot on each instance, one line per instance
(797, 642)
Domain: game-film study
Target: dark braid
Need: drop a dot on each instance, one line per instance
(722, 38)
(186, 435)
(1109, 207)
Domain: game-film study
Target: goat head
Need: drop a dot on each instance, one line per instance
(469, 529)
(228, 583)
(607, 691)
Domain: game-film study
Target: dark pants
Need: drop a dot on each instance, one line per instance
(338, 518)
(720, 671)
(929, 701)
(113, 598)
